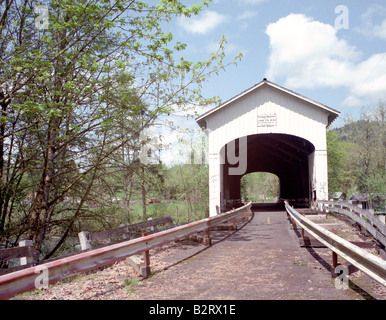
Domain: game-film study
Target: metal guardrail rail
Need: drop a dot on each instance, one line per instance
(26, 279)
(373, 266)
(372, 224)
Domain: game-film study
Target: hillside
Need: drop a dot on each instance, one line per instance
(357, 155)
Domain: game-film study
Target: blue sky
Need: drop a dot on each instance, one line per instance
(295, 44)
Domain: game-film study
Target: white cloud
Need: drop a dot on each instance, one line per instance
(373, 22)
(176, 133)
(247, 14)
(309, 54)
(204, 23)
(244, 17)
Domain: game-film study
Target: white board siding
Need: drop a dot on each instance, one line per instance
(239, 119)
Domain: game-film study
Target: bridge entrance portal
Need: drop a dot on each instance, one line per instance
(260, 187)
(272, 129)
(288, 157)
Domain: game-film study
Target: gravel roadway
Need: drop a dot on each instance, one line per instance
(261, 260)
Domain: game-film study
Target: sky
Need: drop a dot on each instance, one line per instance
(333, 52)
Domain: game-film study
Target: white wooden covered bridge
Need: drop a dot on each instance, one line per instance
(267, 128)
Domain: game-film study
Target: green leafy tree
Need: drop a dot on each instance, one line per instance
(336, 157)
(357, 153)
(256, 184)
(368, 134)
(62, 92)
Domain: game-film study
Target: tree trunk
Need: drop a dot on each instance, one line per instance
(40, 208)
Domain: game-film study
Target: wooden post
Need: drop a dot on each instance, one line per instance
(126, 235)
(83, 239)
(208, 240)
(27, 259)
(334, 259)
(146, 258)
(303, 228)
(152, 228)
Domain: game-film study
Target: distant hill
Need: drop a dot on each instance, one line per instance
(350, 130)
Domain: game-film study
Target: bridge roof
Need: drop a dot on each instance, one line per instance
(333, 114)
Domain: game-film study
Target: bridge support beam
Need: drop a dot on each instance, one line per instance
(320, 174)
(215, 195)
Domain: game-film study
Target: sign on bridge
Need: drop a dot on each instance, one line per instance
(266, 120)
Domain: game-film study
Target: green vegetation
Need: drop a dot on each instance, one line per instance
(129, 283)
(357, 154)
(300, 263)
(79, 83)
(260, 187)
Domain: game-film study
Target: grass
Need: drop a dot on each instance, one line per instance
(130, 283)
(300, 263)
(178, 210)
(104, 218)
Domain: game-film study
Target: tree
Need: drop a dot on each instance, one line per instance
(368, 134)
(259, 183)
(62, 93)
(357, 153)
(336, 156)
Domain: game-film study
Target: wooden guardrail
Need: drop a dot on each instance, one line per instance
(373, 266)
(363, 217)
(25, 252)
(51, 272)
(232, 203)
(126, 232)
(86, 239)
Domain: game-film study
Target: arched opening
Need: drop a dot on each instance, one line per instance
(260, 187)
(288, 157)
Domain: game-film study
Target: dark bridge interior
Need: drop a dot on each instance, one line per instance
(284, 155)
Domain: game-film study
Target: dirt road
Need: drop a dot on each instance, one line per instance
(263, 260)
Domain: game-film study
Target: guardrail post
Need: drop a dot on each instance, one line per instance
(126, 235)
(207, 240)
(303, 228)
(152, 228)
(27, 259)
(334, 259)
(83, 239)
(146, 258)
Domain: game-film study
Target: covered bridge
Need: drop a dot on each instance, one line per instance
(267, 128)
